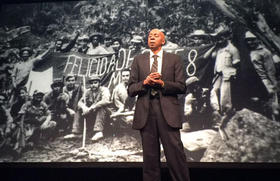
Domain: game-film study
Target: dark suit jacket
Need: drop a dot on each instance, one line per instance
(173, 75)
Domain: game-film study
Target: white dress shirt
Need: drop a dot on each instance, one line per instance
(159, 59)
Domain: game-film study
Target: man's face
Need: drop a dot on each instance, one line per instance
(82, 43)
(22, 94)
(125, 76)
(155, 39)
(58, 44)
(25, 55)
(70, 82)
(95, 41)
(252, 43)
(116, 46)
(222, 40)
(136, 46)
(108, 42)
(56, 89)
(38, 98)
(94, 85)
(2, 100)
(198, 40)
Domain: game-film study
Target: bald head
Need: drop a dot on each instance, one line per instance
(156, 39)
(155, 30)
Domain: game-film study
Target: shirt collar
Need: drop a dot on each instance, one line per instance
(158, 54)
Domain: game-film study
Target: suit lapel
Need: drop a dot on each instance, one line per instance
(164, 64)
(146, 64)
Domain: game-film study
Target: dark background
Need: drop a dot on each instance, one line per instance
(131, 171)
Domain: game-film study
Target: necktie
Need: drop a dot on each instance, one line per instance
(154, 68)
(155, 64)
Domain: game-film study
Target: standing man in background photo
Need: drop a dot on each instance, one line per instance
(156, 78)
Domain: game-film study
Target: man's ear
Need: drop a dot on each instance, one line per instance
(163, 42)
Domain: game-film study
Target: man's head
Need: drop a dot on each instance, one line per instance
(116, 44)
(199, 37)
(38, 96)
(156, 39)
(58, 43)
(125, 75)
(70, 81)
(174, 36)
(3, 99)
(107, 40)
(94, 83)
(25, 53)
(137, 42)
(95, 39)
(82, 41)
(57, 86)
(222, 35)
(251, 40)
(22, 93)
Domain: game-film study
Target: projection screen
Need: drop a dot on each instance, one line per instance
(54, 51)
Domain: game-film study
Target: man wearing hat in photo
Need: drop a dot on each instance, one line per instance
(137, 44)
(57, 102)
(63, 47)
(96, 47)
(22, 69)
(267, 101)
(199, 38)
(37, 119)
(225, 70)
(82, 44)
(93, 108)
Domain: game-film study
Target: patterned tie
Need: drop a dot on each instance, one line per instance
(155, 64)
(154, 68)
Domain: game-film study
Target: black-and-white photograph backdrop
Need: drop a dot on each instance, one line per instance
(65, 66)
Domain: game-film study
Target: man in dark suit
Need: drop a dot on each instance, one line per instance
(156, 78)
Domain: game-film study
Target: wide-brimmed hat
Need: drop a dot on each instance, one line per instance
(96, 34)
(191, 80)
(198, 33)
(83, 37)
(250, 35)
(94, 77)
(38, 93)
(28, 49)
(70, 75)
(137, 39)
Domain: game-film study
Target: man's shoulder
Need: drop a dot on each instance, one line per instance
(142, 55)
(120, 87)
(48, 95)
(27, 104)
(103, 88)
(171, 56)
(43, 105)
